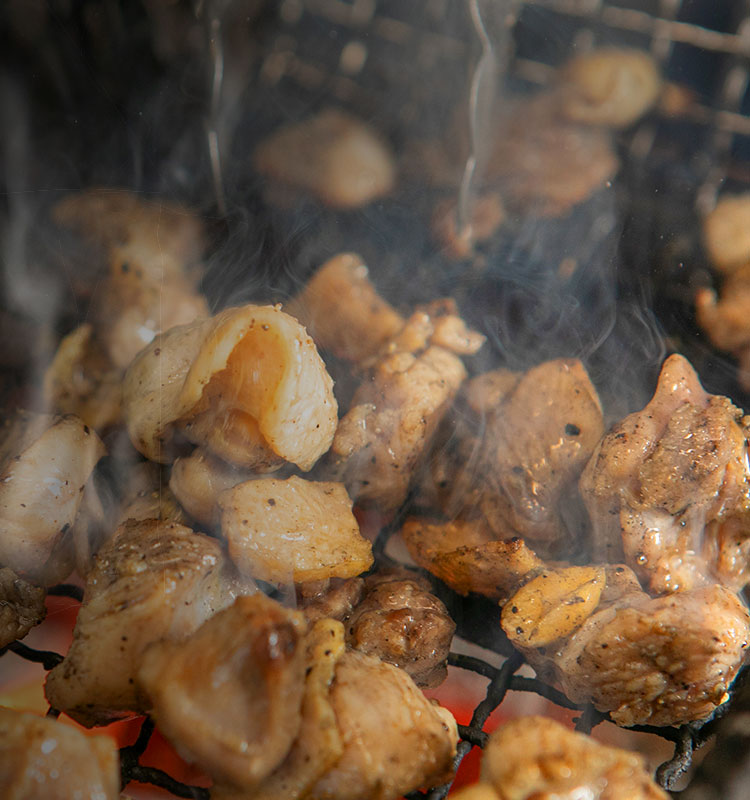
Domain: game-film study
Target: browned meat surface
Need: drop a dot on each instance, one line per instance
(667, 485)
(152, 580)
(402, 623)
(21, 606)
(146, 497)
(333, 156)
(395, 740)
(230, 696)
(330, 599)
(43, 758)
(535, 758)
(726, 233)
(293, 530)
(657, 661)
(248, 384)
(45, 464)
(343, 311)
(486, 216)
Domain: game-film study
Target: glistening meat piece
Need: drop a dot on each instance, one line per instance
(668, 489)
(343, 311)
(152, 580)
(535, 758)
(229, 697)
(332, 156)
(21, 606)
(248, 384)
(43, 758)
(402, 623)
(45, 465)
(658, 661)
(293, 530)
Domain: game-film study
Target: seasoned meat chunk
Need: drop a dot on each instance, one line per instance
(335, 599)
(146, 497)
(343, 311)
(535, 758)
(658, 661)
(153, 580)
(402, 623)
(333, 156)
(248, 384)
(45, 464)
(43, 758)
(21, 606)
(293, 530)
(663, 484)
(230, 695)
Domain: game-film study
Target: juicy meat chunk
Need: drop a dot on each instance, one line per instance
(402, 623)
(152, 580)
(394, 739)
(293, 530)
(248, 384)
(21, 606)
(229, 696)
(535, 758)
(44, 758)
(331, 599)
(333, 156)
(658, 661)
(663, 484)
(45, 464)
(343, 311)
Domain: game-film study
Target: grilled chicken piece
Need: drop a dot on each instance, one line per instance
(612, 86)
(229, 697)
(535, 758)
(152, 250)
(45, 464)
(334, 599)
(726, 233)
(43, 758)
(343, 311)
(486, 216)
(658, 661)
(153, 580)
(21, 606)
(293, 530)
(395, 740)
(146, 497)
(664, 484)
(248, 384)
(402, 623)
(333, 156)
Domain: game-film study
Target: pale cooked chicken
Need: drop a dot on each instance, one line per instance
(152, 249)
(152, 580)
(293, 530)
(612, 86)
(229, 697)
(658, 661)
(21, 606)
(402, 623)
(667, 487)
(343, 311)
(146, 497)
(45, 465)
(536, 758)
(248, 384)
(333, 156)
(726, 233)
(44, 758)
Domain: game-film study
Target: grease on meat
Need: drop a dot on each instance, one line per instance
(21, 606)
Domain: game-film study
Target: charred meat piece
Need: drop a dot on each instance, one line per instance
(230, 695)
(248, 384)
(153, 580)
(663, 484)
(343, 311)
(332, 156)
(41, 757)
(402, 623)
(293, 530)
(21, 606)
(45, 465)
(535, 758)
(658, 661)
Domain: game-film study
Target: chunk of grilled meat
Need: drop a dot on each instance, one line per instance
(21, 606)
(152, 580)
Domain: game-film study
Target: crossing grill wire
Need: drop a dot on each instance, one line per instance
(386, 60)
